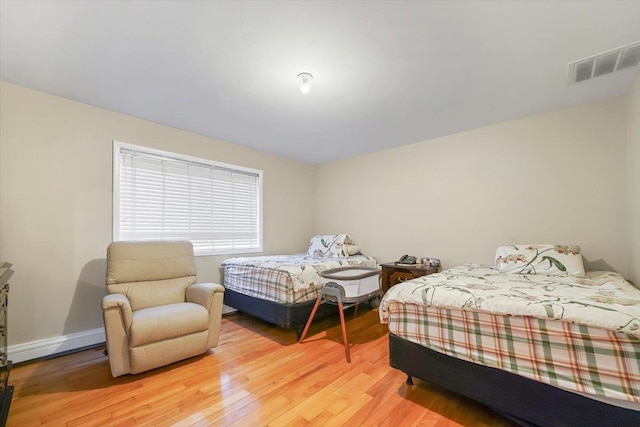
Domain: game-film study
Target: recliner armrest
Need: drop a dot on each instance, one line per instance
(203, 293)
(209, 295)
(119, 302)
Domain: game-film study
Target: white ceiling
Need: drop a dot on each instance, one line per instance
(385, 73)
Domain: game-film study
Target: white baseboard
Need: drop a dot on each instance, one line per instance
(50, 346)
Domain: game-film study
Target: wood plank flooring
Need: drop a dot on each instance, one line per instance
(257, 376)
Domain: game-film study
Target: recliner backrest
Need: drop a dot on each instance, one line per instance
(150, 273)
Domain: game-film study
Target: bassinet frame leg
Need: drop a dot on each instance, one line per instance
(332, 293)
(313, 313)
(344, 331)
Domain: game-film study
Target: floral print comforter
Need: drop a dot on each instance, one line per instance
(600, 299)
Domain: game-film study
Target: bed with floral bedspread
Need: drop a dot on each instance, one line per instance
(579, 335)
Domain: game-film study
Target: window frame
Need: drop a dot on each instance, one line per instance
(118, 146)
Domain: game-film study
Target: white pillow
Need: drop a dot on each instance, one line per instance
(329, 245)
(353, 249)
(540, 259)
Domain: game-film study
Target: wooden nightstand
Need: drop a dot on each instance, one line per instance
(392, 273)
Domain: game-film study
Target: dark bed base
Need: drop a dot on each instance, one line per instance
(524, 401)
(288, 316)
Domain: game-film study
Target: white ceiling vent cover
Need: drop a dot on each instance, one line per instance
(605, 63)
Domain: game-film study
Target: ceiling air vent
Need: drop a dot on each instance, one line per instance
(604, 63)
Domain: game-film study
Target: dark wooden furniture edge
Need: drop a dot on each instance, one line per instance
(5, 400)
(409, 267)
(7, 392)
(524, 401)
(389, 269)
(5, 273)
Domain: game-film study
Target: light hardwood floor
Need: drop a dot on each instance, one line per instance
(257, 376)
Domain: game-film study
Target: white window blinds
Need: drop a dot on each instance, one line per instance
(167, 196)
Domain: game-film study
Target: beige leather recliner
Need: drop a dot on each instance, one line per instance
(155, 313)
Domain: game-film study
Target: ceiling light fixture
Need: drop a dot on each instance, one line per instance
(304, 78)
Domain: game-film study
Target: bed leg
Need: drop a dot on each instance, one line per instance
(409, 380)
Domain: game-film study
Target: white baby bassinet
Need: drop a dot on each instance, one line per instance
(350, 286)
(359, 283)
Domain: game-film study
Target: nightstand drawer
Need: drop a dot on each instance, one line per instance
(392, 273)
(400, 276)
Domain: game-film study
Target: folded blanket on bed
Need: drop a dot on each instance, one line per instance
(601, 299)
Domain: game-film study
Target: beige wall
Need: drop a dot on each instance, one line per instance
(556, 177)
(633, 182)
(56, 210)
(552, 178)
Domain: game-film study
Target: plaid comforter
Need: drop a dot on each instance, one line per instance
(597, 361)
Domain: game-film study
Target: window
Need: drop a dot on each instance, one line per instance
(161, 195)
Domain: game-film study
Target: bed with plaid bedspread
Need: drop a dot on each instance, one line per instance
(578, 334)
(285, 279)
